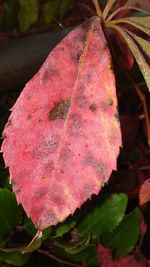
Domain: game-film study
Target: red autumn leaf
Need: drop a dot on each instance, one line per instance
(136, 259)
(144, 194)
(63, 136)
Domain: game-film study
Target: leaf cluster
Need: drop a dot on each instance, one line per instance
(74, 240)
(131, 27)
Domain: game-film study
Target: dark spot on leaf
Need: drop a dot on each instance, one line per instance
(40, 193)
(29, 117)
(93, 107)
(46, 147)
(88, 77)
(98, 165)
(60, 110)
(62, 48)
(111, 66)
(117, 116)
(111, 102)
(81, 101)
(66, 152)
(29, 97)
(62, 171)
(76, 125)
(49, 75)
(43, 178)
(100, 168)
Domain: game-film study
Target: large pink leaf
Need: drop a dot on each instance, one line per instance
(63, 136)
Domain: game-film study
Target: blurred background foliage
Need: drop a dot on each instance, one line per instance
(21, 16)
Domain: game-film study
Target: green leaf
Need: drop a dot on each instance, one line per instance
(108, 7)
(64, 228)
(137, 22)
(106, 217)
(145, 45)
(76, 246)
(14, 258)
(51, 9)
(28, 15)
(64, 7)
(30, 228)
(144, 67)
(10, 212)
(125, 236)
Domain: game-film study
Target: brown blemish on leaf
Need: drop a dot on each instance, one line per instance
(117, 116)
(42, 191)
(46, 147)
(43, 178)
(81, 101)
(93, 107)
(111, 101)
(49, 74)
(29, 97)
(29, 117)
(60, 110)
(111, 66)
(98, 165)
(76, 125)
(66, 152)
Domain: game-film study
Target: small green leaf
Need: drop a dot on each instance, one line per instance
(136, 22)
(28, 15)
(51, 9)
(64, 7)
(108, 7)
(106, 217)
(64, 228)
(10, 212)
(125, 236)
(76, 246)
(14, 258)
(144, 67)
(145, 45)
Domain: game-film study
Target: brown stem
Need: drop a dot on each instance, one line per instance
(97, 7)
(61, 261)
